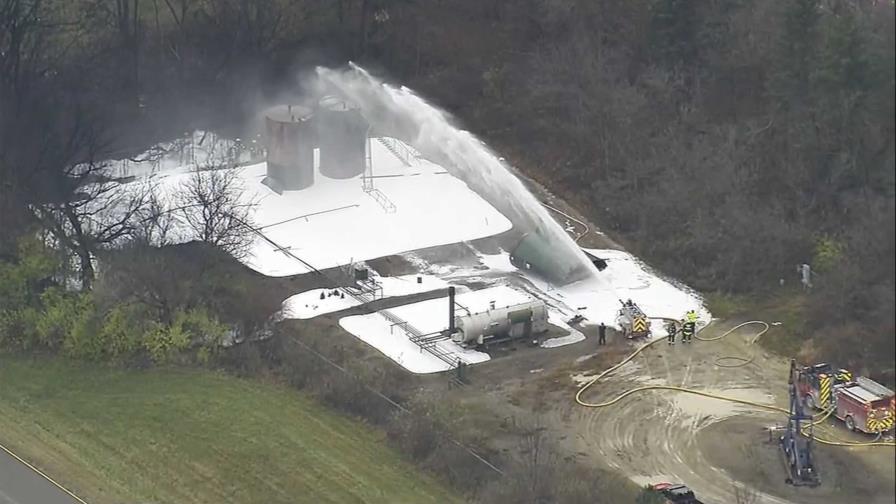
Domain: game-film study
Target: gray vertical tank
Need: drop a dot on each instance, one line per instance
(342, 133)
(290, 136)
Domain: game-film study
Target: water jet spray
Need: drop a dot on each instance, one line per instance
(400, 113)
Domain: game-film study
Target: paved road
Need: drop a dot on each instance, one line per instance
(21, 485)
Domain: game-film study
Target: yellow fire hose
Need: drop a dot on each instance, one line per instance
(740, 361)
(744, 362)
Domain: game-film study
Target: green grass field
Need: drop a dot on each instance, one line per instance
(184, 436)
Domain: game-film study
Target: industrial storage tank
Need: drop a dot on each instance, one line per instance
(290, 136)
(342, 132)
(515, 321)
(538, 253)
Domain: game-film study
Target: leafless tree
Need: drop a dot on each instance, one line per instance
(102, 214)
(155, 223)
(214, 210)
(127, 21)
(539, 461)
(78, 202)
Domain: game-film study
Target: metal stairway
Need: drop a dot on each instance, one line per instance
(398, 149)
(367, 184)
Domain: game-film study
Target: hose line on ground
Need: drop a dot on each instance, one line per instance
(768, 407)
(739, 361)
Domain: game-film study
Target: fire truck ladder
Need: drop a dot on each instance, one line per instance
(796, 443)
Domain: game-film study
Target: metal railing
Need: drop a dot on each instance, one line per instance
(381, 198)
(426, 342)
(400, 149)
(367, 184)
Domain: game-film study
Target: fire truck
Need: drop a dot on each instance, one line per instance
(862, 404)
(633, 321)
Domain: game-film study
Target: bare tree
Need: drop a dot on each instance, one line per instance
(101, 215)
(173, 40)
(155, 223)
(84, 209)
(214, 210)
(127, 21)
(539, 461)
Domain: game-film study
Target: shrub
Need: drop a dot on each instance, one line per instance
(62, 313)
(18, 328)
(163, 342)
(122, 329)
(828, 252)
(189, 328)
(23, 277)
(414, 433)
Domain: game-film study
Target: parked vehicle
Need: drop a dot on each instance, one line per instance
(862, 404)
(633, 321)
(676, 493)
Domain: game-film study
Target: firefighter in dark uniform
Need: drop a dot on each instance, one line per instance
(687, 330)
(602, 334)
(670, 332)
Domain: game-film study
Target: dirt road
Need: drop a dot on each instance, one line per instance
(716, 446)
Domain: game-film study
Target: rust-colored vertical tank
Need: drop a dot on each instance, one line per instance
(290, 135)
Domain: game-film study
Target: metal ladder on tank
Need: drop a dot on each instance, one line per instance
(398, 148)
(367, 184)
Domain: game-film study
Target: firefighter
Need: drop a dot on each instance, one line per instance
(687, 331)
(602, 334)
(692, 316)
(670, 332)
(844, 375)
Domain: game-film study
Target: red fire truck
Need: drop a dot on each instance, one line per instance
(863, 404)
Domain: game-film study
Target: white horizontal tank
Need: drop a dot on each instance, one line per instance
(510, 321)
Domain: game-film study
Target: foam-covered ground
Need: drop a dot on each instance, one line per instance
(334, 222)
(428, 317)
(316, 302)
(624, 278)
(597, 299)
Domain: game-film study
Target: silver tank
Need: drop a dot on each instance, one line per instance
(474, 328)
